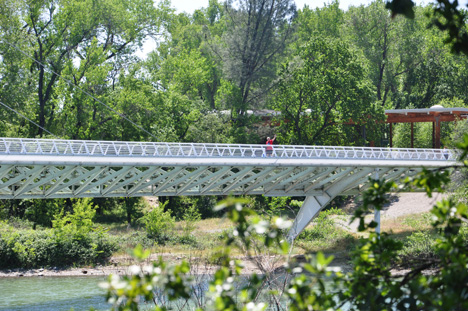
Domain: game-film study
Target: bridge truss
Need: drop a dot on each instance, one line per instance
(39, 168)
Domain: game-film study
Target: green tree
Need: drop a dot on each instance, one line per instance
(436, 74)
(77, 223)
(445, 15)
(321, 90)
(159, 224)
(326, 21)
(75, 39)
(184, 73)
(14, 75)
(373, 31)
(257, 33)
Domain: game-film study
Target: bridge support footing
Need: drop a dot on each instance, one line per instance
(314, 204)
(310, 208)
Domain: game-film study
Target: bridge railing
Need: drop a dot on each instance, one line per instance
(149, 149)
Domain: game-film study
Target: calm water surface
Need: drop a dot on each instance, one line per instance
(52, 293)
(61, 293)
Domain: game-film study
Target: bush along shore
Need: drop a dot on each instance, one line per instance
(80, 243)
(73, 240)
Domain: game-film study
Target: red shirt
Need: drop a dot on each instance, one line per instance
(270, 143)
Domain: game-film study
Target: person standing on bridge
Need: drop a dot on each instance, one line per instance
(269, 148)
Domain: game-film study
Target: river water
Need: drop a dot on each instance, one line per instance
(61, 293)
(52, 293)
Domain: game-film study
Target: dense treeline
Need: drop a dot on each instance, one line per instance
(72, 68)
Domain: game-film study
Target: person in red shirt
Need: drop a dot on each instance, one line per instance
(269, 148)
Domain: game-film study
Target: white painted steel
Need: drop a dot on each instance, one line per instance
(377, 211)
(9, 146)
(35, 168)
(35, 176)
(315, 203)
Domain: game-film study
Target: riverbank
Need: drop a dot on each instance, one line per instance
(121, 265)
(404, 205)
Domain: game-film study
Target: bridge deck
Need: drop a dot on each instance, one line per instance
(41, 168)
(35, 168)
(10, 146)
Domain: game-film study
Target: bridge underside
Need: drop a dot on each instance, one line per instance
(319, 180)
(22, 177)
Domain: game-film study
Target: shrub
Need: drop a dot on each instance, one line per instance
(41, 248)
(191, 217)
(159, 224)
(418, 246)
(79, 223)
(324, 227)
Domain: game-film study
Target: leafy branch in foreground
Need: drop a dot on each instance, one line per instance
(438, 283)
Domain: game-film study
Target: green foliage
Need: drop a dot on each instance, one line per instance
(274, 206)
(52, 43)
(174, 281)
(171, 280)
(422, 135)
(133, 208)
(324, 226)
(76, 224)
(250, 54)
(191, 217)
(310, 293)
(321, 90)
(44, 248)
(42, 212)
(446, 16)
(419, 246)
(159, 224)
(327, 21)
(211, 128)
(72, 241)
(422, 132)
(178, 205)
(369, 286)
(429, 181)
(340, 66)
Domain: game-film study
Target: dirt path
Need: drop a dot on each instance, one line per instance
(403, 204)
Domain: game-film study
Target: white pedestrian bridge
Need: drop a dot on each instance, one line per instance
(43, 168)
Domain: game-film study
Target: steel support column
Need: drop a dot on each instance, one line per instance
(314, 204)
(377, 211)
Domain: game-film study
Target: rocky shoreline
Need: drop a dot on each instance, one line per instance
(119, 266)
(58, 272)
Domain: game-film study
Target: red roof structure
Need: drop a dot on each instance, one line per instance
(435, 114)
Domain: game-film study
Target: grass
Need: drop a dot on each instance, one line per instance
(207, 236)
(408, 223)
(326, 233)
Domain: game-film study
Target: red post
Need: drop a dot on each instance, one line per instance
(437, 132)
(391, 136)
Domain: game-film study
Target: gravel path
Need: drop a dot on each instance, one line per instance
(410, 203)
(403, 204)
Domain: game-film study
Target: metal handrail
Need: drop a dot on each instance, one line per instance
(27, 146)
